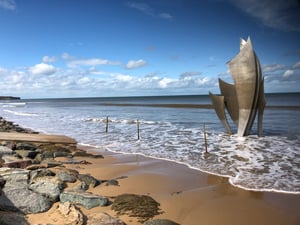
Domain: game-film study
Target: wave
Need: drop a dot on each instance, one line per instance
(20, 113)
(13, 104)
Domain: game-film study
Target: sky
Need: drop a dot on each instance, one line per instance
(104, 48)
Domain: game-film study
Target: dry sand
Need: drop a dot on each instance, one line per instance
(188, 197)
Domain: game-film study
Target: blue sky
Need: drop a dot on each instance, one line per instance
(90, 48)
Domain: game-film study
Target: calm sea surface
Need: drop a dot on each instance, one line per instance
(171, 127)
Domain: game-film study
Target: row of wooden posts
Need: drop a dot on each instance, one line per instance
(138, 132)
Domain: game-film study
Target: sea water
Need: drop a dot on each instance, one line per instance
(172, 128)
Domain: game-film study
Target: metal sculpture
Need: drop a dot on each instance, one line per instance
(245, 98)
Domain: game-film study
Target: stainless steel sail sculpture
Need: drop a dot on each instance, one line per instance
(245, 97)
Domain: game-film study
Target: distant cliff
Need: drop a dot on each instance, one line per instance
(9, 98)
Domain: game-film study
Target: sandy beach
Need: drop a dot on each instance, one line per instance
(186, 196)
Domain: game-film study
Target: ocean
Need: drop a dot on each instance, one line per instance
(172, 128)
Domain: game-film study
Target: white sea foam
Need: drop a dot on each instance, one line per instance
(20, 113)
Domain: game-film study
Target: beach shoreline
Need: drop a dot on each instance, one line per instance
(186, 196)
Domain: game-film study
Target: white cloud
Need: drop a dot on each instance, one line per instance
(49, 59)
(73, 62)
(296, 65)
(146, 9)
(166, 16)
(279, 14)
(42, 69)
(272, 68)
(288, 73)
(132, 64)
(164, 82)
(8, 4)
(190, 74)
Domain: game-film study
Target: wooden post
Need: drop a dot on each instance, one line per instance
(205, 141)
(106, 128)
(138, 129)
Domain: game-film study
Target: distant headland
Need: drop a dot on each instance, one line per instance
(9, 98)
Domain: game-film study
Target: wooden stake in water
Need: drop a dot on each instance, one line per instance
(205, 141)
(138, 129)
(106, 128)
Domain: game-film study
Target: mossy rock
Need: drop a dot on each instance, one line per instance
(141, 206)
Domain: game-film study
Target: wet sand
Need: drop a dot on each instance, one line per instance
(186, 196)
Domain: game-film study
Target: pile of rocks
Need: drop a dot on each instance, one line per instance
(33, 178)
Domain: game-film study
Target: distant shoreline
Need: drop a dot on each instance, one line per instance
(9, 98)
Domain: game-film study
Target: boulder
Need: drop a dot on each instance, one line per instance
(47, 155)
(8, 218)
(26, 153)
(86, 199)
(25, 146)
(5, 151)
(89, 180)
(82, 186)
(48, 186)
(67, 175)
(10, 158)
(18, 164)
(15, 198)
(102, 218)
(2, 182)
(70, 215)
(160, 222)
(62, 154)
(14, 176)
(41, 173)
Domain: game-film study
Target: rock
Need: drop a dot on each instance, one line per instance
(8, 218)
(24, 200)
(55, 148)
(51, 187)
(62, 154)
(103, 219)
(82, 186)
(71, 215)
(141, 206)
(89, 180)
(41, 173)
(2, 182)
(47, 155)
(5, 151)
(9, 144)
(81, 153)
(87, 200)
(1, 162)
(14, 176)
(161, 222)
(17, 164)
(10, 158)
(112, 182)
(67, 175)
(26, 153)
(25, 146)
(51, 163)
(35, 167)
